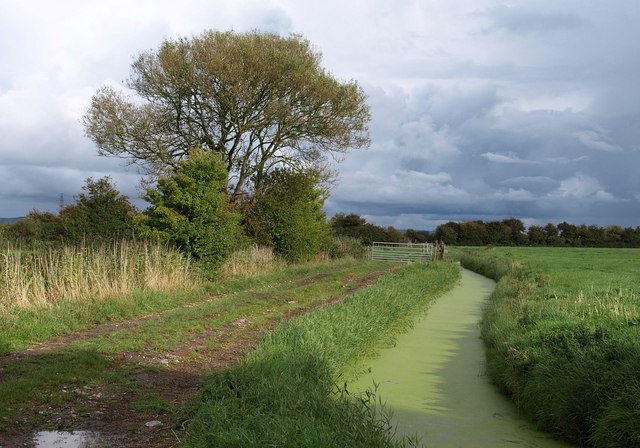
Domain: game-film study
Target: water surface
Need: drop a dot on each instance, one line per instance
(67, 439)
(433, 379)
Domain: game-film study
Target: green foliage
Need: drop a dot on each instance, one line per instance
(355, 226)
(101, 213)
(418, 236)
(511, 232)
(189, 208)
(36, 227)
(345, 246)
(284, 393)
(286, 213)
(259, 100)
(562, 338)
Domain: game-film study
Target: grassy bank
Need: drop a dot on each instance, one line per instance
(117, 377)
(284, 393)
(563, 337)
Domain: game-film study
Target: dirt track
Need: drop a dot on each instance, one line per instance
(174, 376)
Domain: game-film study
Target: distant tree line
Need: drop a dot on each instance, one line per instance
(508, 232)
(355, 226)
(512, 232)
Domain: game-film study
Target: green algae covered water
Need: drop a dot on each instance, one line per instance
(433, 379)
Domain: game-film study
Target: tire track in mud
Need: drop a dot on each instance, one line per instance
(109, 411)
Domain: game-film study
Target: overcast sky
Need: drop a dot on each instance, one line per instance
(480, 109)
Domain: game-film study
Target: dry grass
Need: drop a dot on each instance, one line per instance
(254, 260)
(39, 278)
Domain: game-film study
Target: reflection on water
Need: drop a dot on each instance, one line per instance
(433, 379)
(65, 439)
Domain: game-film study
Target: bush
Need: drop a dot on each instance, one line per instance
(189, 208)
(345, 246)
(286, 213)
(99, 214)
(35, 229)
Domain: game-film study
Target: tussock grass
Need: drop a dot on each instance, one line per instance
(563, 338)
(340, 246)
(254, 260)
(285, 394)
(42, 278)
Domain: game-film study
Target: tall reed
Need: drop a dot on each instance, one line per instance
(254, 260)
(37, 278)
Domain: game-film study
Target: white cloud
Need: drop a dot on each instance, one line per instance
(581, 187)
(512, 194)
(421, 137)
(400, 187)
(505, 158)
(594, 140)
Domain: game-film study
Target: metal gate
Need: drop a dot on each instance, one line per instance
(402, 252)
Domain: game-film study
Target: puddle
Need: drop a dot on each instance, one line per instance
(66, 439)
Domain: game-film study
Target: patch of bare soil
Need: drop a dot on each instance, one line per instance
(176, 377)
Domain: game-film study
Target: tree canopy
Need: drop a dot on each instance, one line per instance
(100, 213)
(260, 100)
(511, 232)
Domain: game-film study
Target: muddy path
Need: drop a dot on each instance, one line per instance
(434, 382)
(90, 382)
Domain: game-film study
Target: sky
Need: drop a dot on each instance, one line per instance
(480, 109)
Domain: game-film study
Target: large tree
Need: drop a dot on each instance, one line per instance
(260, 100)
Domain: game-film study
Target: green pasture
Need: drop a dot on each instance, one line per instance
(562, 332)
(588, 269)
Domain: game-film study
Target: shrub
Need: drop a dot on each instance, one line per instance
(345, 246)
(101, 213)
(286, 213)
(189, 208)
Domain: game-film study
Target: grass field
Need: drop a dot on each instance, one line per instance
(563, 338)
(285, 394)
(149, 357)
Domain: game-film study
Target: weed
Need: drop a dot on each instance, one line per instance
(284, 393)
(562, 340)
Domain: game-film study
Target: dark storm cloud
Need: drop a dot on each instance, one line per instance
(480, 110)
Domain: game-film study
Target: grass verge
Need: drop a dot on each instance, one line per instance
(285, 393)
(562, 332)
(118, 376)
